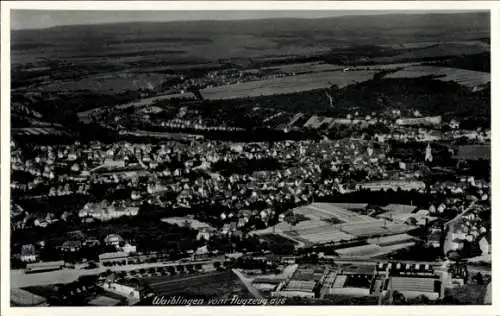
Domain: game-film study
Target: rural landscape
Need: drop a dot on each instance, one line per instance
(342, 160)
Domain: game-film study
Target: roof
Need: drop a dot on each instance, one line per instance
(424, 285)
(473, 152)
(113, 237)
(20, 297)
(102, 300)
(72, 243)
(112, 255)
(358, 269)
(45, 264)
(295, 285)
(134, 283)
(27, 250)
(400, 208)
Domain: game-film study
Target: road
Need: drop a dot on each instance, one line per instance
(449, 236)
(451, 221)
(487, 295)
(19, 279)
(247, 283)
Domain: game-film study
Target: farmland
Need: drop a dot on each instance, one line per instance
(108, 83)
(45, 131)
(464, 77)
(85, 115)
(325, 67)
(290, 84)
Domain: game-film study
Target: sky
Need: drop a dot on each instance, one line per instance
(30, 19)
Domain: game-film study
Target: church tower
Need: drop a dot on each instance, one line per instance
(428, 153)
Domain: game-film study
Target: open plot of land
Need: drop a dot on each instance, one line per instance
(305, 67)
(468, 78)
(112, 83)
(288, 84)
(399, 208)
(216, 284)
(38, 131)
(84, 116)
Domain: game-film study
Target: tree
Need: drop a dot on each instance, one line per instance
(479, 278)
(217, 265)
(398, 298)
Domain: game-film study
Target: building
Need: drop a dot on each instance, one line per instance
(132, 288)
(485, 245)
(473, 152)
(44, 266)
(352, 285)
(113, 240)
(71, 246)
(109, 257)
(412, 287)
(129, 249)
(295, 288)
(428, 153)
(428, 120)
(405, 185)
(28, 253)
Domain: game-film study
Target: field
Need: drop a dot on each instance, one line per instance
(107, 83)
(85, 115)
(215, 284)
(278, 239)
(119, 66)
(36, 131)
(288, 84)
(316, 66)
(468, 78)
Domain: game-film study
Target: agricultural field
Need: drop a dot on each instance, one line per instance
(209, 285)
(290, 84)
(468, 78)
(35, 131)
(107, 83)
(84, 116)
(307, 67)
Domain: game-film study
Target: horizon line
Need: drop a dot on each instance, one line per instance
(342, 14)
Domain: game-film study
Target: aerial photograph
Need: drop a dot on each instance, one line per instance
(198, 158)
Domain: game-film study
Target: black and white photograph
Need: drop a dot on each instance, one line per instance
(242, 157)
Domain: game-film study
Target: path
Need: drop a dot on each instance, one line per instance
(247, 283)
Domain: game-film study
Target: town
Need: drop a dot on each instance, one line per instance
(368, 186)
